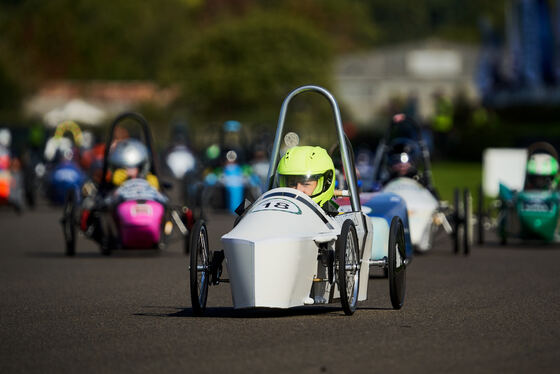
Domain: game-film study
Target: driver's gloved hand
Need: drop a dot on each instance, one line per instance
(119, 176)
(153, 181)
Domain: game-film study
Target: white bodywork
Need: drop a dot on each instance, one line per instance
(380, 241)
(380, 245)
(272, 253)
(503, 165)
(180, 161)
(422, 207)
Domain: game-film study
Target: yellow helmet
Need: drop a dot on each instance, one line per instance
(306, 163)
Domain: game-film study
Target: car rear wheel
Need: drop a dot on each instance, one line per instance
(397, 263)
(467, 221)
(347, 267)
(480, 216)
(68, 222)
(199, 267)
(456, 221)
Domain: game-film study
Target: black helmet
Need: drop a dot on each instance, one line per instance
(403, 158)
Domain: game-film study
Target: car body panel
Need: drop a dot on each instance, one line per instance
(271, 254)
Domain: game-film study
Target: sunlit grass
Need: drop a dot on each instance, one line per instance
(450, 175)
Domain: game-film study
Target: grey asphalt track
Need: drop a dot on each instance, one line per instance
(497, 310)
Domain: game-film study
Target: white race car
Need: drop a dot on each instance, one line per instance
(423, 210)
(402, 166)
(285, 251)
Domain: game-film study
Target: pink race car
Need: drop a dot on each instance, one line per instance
(128, 209)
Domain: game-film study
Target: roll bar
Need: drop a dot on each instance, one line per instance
(383, 147)
(71, 127)
(347, 160)
(138, 118)
(540, 147)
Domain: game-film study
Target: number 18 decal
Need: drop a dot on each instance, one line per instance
(277, 204)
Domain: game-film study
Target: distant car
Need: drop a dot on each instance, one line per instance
(229, 179)
(286, 251)
(531, 213)
(381, 208)
(132, 215)
(402, 166)
(11, 178)
(61, 172)
(11, 181)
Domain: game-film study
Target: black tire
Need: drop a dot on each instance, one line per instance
(193, 190)
(164, 238)
(69, 222)
(502, 223)
(214, 197)
(105, 246)
(467, 221)
(187, 243)
(106, 243)
(185, 220)
(29, 187)
(211, 198)
(456, 221)
(199, 267)
(347, 267)
(397, 263)
(503, 240)
(480, 216)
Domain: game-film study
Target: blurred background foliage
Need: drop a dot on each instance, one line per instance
(456, 20)
(242, 66)
(228, 59)
(239, 56)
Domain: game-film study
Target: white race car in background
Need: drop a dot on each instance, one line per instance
(423, 210)
(285, 251)
(426, 213)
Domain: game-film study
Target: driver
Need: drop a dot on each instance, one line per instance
(129, 159)
(542, 170)
(309, 170)
(402, 161)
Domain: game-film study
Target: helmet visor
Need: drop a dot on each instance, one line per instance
(293, 180)
(539, 182)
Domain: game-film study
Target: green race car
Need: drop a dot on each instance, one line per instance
(531, 213)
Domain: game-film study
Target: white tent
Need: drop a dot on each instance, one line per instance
(75, 110)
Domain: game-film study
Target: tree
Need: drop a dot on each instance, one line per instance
(10, 92)
(402, 20)
(88, 39)
(245, 65)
